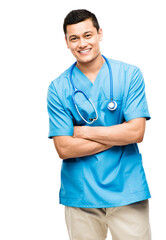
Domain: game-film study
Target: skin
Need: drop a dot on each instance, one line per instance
(83, 40)
(117, 135)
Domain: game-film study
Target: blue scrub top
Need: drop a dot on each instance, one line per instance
(114, 177)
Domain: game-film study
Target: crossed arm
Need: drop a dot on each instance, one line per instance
(88, 140)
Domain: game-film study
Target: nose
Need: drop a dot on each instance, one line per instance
(82, 43)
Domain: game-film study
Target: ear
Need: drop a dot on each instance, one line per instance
(100, 34)
(66, 42)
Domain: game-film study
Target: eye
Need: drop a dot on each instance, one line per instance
(73, 39)
(88, 35)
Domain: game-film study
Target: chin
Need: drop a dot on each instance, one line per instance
(86, 59)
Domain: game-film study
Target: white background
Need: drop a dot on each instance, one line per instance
(32, 54)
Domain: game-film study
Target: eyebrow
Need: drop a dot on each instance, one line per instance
(77, 35)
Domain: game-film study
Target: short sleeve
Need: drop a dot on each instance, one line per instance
(60, 123)
(136, 104)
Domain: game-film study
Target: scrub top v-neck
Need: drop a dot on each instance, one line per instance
(114, 177)
(81, 81)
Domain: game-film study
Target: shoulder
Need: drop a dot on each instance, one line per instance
(60, 81)
(125, 76)
(120, 65)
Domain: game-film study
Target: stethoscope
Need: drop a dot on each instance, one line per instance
(112, 105)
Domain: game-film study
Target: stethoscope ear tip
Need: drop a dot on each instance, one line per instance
(93, 119)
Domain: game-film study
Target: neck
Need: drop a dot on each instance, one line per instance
(92, 66)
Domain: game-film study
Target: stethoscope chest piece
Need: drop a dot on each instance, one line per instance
(112, 105)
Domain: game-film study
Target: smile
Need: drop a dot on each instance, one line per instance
(84, 51)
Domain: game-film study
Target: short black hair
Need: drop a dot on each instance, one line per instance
(76, 16)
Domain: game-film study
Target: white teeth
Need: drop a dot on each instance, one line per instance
(85, 51)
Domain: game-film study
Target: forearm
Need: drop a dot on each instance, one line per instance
(72, 147)
(117, 135)
(78, 147)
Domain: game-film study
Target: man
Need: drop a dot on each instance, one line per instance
(103, 184)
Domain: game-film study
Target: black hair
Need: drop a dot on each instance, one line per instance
(76, 16)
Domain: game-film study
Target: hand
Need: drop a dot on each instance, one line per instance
(80, 131)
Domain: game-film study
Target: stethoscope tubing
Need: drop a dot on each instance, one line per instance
(110, 107)
(111, 78)
(73, 96)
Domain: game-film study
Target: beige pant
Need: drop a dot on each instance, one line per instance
(129, 222)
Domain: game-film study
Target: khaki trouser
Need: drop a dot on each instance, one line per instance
(129, 222)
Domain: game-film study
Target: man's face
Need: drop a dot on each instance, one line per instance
(83, 41)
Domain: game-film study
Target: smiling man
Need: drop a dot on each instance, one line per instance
(97, 113)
